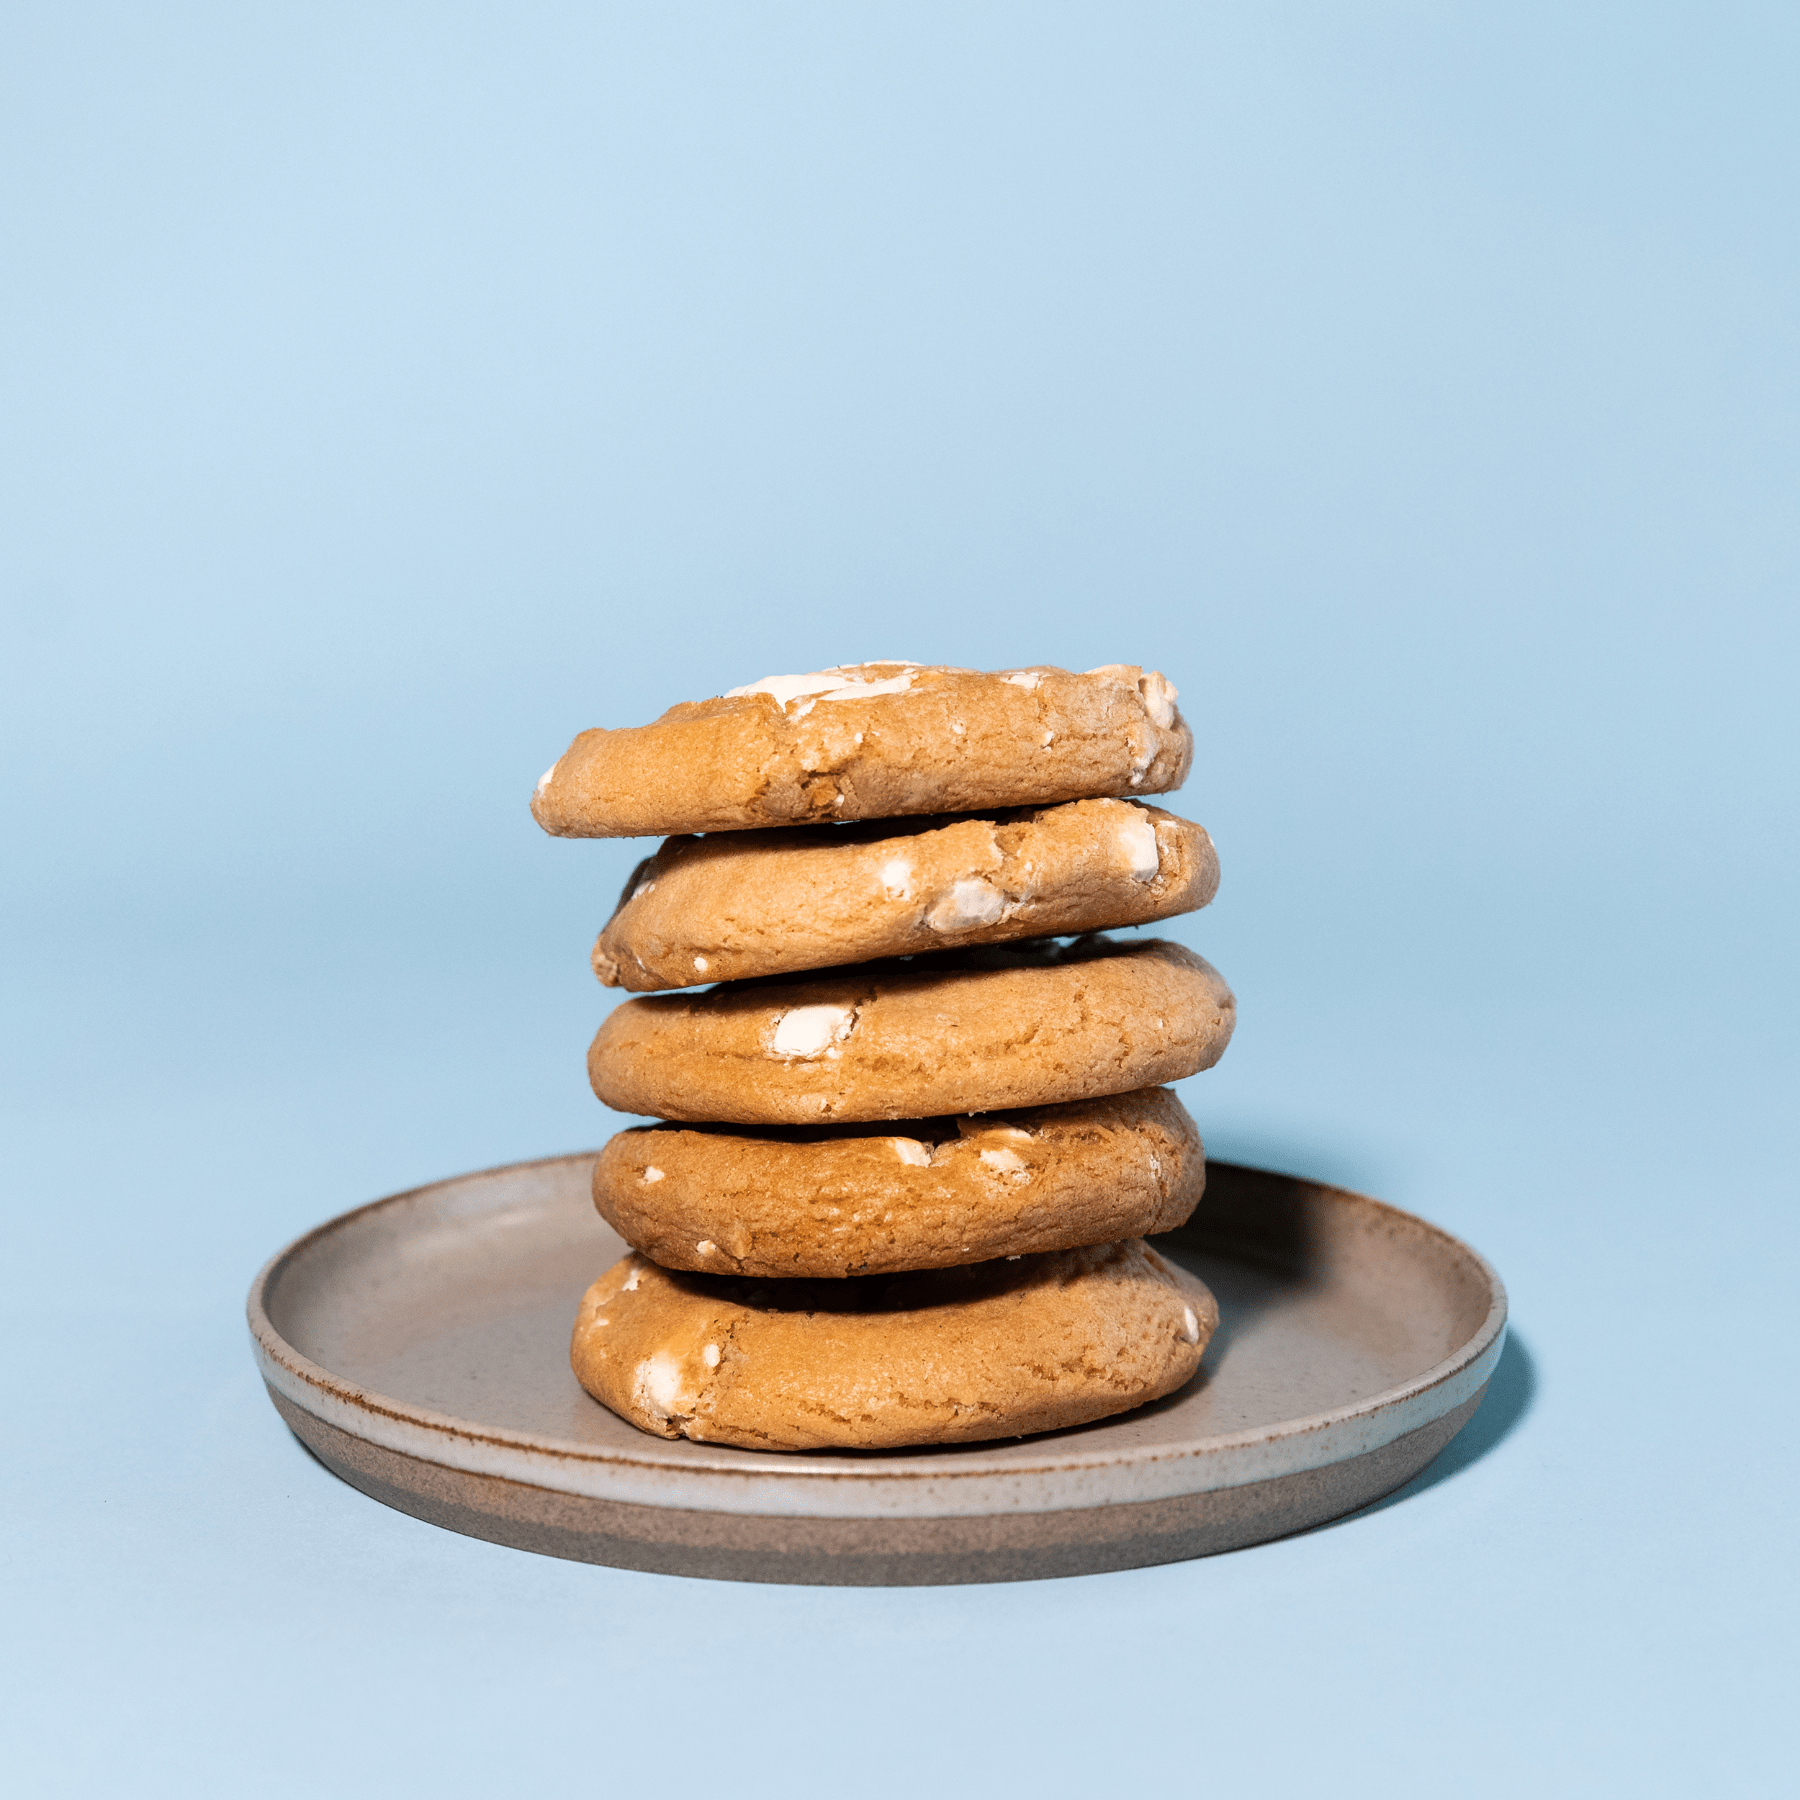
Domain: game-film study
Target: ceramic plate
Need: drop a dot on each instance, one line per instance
(419, 1348)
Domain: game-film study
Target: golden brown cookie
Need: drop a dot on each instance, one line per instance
(934, 1193)
(742, 905)
(944, 1356)
(961, 1031)
(871, 741)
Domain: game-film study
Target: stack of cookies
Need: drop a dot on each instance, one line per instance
(913, 1141)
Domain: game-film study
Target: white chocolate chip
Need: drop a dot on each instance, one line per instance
(1005, 1162)
(911, 1152)
(896, 877)
(810, 1030)
(631, 1280)
(658, 1384)
(701, 965)
(706, 1247)
(710, 1356)
(867, 690)
(826, 684)
(971, 901)
(1137, 838)
(976, 1125)
(1190, 1326)
(1025, 678)
(1159, 697)
(786, 689)
(1049, 739)
(652, 1173)
(544, 779)
(1156, 1168)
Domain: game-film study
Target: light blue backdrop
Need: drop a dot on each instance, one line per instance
(387, 392)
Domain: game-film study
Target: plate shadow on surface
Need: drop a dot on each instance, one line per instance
(1511, 1394)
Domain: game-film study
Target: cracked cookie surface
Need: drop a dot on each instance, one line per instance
(742, 905)
(946, 1356)
(871, 741)
(929, 1194)
(961, 1031)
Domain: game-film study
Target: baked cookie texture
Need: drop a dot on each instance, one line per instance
(972, 1030)
(937, 1357)
(871, 741)
(928, 1194)
(739, 906)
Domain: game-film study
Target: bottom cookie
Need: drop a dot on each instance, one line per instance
(939, 1356)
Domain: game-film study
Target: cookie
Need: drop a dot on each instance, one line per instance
(944, 1356)
(871, 741)
(741, 905)
(931, 1194)
(959, 1031)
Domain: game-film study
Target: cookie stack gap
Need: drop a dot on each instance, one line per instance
(912, 1142)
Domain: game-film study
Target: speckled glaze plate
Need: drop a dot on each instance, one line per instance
(419, 1348)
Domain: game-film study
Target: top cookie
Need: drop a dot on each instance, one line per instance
(872, 741)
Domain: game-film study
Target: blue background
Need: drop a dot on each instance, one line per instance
(387, 393)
